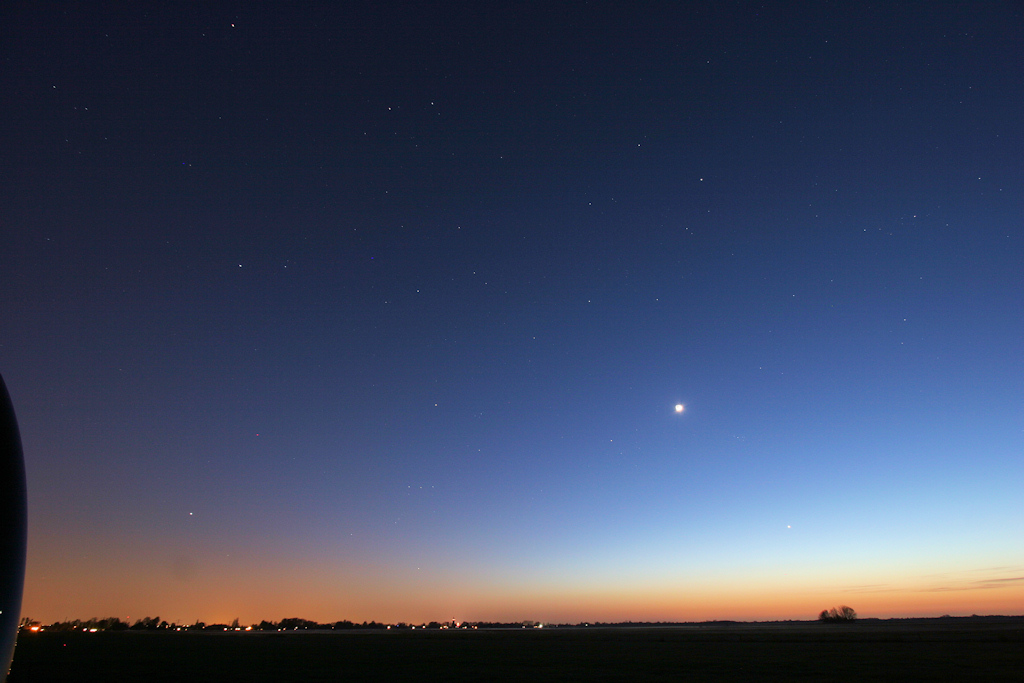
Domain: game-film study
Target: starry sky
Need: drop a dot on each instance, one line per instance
(382, 310)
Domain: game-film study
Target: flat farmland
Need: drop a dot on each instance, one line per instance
(906, 650)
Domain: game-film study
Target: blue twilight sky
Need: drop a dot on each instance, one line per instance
(381, 311)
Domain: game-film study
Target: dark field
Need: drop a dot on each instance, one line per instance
(920, 650)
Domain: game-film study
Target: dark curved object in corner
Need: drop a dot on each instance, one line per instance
(13, 529)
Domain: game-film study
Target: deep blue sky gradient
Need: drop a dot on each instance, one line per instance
(395, 303)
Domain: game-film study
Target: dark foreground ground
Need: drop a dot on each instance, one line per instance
(917, 650)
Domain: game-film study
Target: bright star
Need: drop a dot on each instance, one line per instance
(680, 407)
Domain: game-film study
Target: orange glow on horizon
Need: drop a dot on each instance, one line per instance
(331, 597)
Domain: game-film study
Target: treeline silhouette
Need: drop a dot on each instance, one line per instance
(836, 614)
(842, 613)
(288, 624)
(106, 624)
(297, 624)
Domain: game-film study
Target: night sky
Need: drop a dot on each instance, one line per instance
(382, 310)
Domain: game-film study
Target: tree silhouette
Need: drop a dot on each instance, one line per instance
(838, 614)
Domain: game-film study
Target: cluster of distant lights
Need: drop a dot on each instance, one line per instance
(453, 624)
(36, 629)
